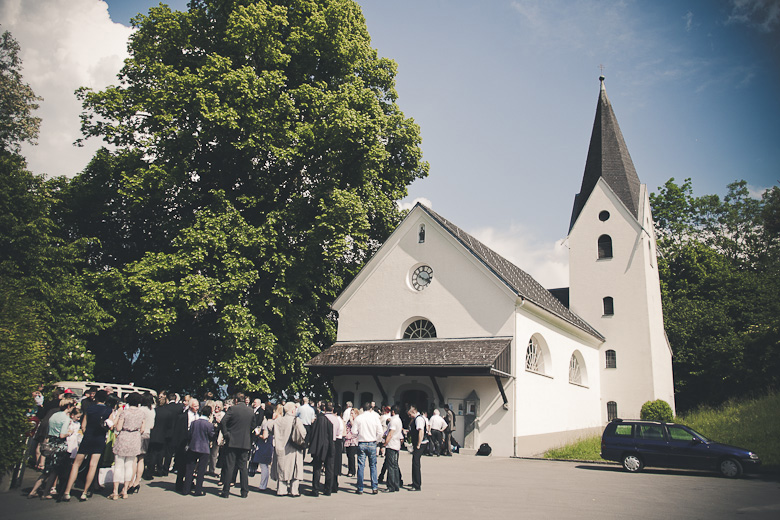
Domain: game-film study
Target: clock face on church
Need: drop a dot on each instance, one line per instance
(422, 277)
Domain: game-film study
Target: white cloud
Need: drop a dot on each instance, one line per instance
(688, 21)
(756, 192)
(404, 205)
(547, 262)
(65, 44)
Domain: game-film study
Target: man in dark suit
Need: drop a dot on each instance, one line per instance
(181, 430)
(156, 452)
(237, 426)
(165, 420)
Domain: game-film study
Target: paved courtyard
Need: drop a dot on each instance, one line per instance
(464, 486)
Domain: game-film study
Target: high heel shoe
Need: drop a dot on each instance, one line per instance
(83, 497)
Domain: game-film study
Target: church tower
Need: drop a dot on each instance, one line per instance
(613, 273)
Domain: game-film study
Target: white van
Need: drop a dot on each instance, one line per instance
(79, 387)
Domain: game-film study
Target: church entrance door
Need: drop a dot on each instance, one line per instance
(416, 398)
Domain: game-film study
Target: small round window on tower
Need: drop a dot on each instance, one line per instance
(604, 216)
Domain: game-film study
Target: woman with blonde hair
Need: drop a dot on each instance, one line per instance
(351, 442)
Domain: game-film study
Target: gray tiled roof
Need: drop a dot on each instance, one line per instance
(413, 353)
(608, 158)
(515, 278)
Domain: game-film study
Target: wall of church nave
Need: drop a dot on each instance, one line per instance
(546, 401)
(490, 423)
(462, 300)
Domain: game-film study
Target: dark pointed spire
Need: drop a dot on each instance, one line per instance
(608, 158)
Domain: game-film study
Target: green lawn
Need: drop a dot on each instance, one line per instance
(753, 424)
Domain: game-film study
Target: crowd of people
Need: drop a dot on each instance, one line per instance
(115, 444)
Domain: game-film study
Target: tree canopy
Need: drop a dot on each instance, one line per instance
(17, 99)
(720, 276)
(259, 154)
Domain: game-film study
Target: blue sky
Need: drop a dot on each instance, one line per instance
(505, 94)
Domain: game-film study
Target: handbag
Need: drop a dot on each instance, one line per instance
(49, 448)
(296, 439)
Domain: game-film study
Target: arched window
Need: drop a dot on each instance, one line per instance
(575, 374)
(611, 410)
(534, 359)
(611, 359)
(605, 246)
(609, 306)
(420, 329)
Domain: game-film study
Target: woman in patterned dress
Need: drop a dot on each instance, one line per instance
(127, 446)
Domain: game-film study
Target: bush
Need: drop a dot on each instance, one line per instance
(22, 364)
(658, 410)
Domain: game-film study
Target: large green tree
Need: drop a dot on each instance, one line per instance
(720, 277)
(46, 312)
(259, 154)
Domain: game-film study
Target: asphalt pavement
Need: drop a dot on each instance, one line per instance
(462, 486)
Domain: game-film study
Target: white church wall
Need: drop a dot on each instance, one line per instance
(630, 278)
(547, 403)
(463, 300)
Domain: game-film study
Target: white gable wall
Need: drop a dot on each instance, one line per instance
(464, 299)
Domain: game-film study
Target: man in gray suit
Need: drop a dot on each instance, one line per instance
(237, 426)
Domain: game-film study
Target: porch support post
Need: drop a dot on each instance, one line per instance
(503, 394)
(381, 390)
(438, 391)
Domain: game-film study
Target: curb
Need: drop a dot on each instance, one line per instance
(580, 461)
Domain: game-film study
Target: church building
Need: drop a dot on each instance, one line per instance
(436, 317)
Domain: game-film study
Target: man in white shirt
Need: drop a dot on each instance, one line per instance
(417, 429)
(369, 430)
(393, 441)
(438, 425)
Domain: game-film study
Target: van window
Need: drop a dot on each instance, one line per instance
(651, 431)
(623, 430)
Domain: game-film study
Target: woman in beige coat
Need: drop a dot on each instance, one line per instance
(287, 466)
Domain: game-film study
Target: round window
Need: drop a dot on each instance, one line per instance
(604, 216)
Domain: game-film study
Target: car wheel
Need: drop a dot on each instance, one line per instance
(632, 463)
(730, 468)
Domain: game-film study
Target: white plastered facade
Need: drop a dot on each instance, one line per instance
(467, 300)
(634, 331)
